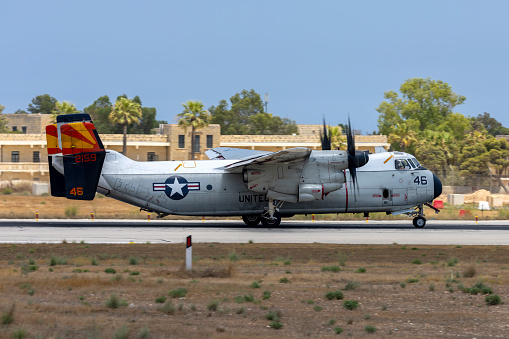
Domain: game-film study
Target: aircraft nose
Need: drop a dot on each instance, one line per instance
(437, 185)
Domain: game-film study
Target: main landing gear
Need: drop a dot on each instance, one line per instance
(269, 218)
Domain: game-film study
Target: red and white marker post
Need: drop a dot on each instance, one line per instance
(189, 253)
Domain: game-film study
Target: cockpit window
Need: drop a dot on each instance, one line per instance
(412, 164)
(402, 164)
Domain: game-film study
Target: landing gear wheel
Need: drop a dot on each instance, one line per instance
(251, 220)
(419, 222)
(274, 222)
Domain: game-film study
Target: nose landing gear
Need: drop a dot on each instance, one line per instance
(419, 220)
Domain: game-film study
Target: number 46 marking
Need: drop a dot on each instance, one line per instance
(422, 181)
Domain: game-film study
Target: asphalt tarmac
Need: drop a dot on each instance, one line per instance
(436, 232)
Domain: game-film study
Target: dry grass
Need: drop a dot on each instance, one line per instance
(218, 302)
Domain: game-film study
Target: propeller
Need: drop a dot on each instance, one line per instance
(355, 158)
(325, 138)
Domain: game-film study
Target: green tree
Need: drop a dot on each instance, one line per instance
(2, 109)
(425, 100)
(125, 112)
(64, 107)
(267, 124)
(336, 138)
(246, 116)
(20, 111)
(44, 104)
(403, 135)
(491, 124)
(193, 116)
(100, 111)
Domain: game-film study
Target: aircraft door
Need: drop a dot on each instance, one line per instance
(398, 197)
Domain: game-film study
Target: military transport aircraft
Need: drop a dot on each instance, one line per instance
(258, 186)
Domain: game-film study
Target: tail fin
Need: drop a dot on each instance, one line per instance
(75, 139)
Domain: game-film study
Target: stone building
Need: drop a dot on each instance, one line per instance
(27, 123)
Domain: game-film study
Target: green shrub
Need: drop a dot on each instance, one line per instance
(133, 260)
(115, 302)
(416, 262)
(168, 307)
(331, 295)
(412, 280)
(255, 284)
(134, 273)
(370, 329)
(266, 295)
(318, 308)
(94, 262)
(276, 325)
(19, 333)
(331, 269)
(8, 316)
(213, 305)
(144, 332)
(249, 298)
(7, 191)
(110, 271)
(338, 330)
(122, 333)
(178, 292)
(452, 261)
(160, 300)
(402, 284)
(57, 260)
(284, 281)
(350, 304)
(431, 287)
(360, 270)
(273, 315)
(233, 257)
(351, 285)
(493, 300)
(478, 288)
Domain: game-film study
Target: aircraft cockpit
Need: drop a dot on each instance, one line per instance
(406, 164)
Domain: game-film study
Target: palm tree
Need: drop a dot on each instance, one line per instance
(337, 139)
(403, 134)
(64, 107)
(195, 116)
(125, 112)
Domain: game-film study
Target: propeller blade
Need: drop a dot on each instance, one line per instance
(325, 138)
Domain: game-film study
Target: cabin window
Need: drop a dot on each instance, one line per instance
(36, 157)
(182, 141)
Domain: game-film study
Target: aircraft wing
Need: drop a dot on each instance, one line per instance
(285, 156)
(228, 153)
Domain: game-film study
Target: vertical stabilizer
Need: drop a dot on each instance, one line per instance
(74, 139)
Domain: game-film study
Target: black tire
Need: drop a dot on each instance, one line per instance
(266, 222)
(419, 222)
(251, 220)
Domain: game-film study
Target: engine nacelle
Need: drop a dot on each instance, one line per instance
(310, 192)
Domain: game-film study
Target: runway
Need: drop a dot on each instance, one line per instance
(436, 232)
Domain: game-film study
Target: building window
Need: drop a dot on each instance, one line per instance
(36, 156)
(14, 156)
(14, 128)
(151, 156)
(196, 144)
(210, 141)
(24, 129)
(182, 141)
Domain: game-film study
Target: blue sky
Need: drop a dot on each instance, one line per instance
(314, 58)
